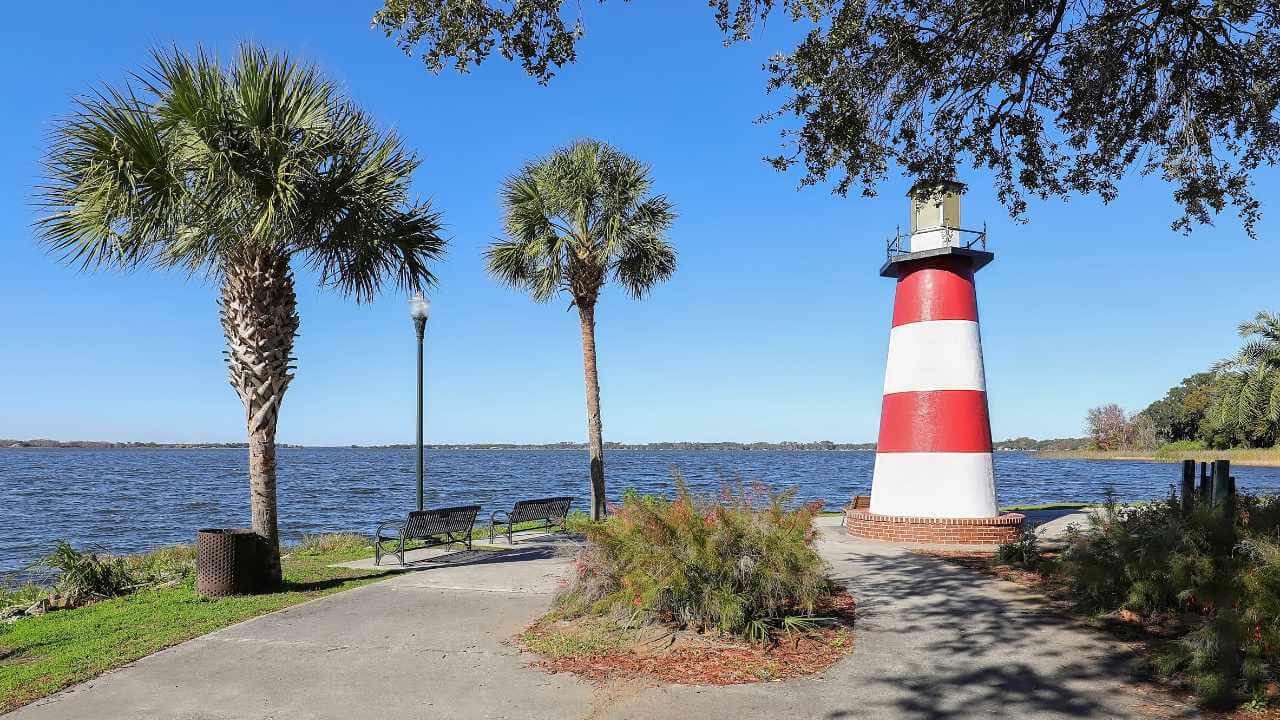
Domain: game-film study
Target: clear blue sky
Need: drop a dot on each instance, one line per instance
(774, 327)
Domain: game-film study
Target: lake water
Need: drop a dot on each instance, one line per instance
(132, 500)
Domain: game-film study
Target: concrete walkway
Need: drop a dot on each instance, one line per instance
(933, 641)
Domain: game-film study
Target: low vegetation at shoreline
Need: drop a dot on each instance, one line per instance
(716, 585)
(41, 654)
(1200, 589)
(1172, 453)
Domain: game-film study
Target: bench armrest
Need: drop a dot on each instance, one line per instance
(387, 524)
(493, 516)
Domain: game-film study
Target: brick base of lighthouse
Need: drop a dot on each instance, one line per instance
(950, 531)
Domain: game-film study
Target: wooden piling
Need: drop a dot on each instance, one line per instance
(1188, 492)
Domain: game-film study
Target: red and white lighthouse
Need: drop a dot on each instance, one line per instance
(934, 480)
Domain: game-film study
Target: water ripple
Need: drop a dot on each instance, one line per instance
(132, 500)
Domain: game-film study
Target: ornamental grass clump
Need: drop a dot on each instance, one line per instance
(743, 564)
(84, 576)
(1212, 574)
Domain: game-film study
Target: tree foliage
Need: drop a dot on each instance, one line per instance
(1246, 406)
(1053, 97)
(1216, 569)
(1236, 403)
(1108, 427)
(577, 218)
(195, 165)
(574, 220)
(1178, 415)
(235, 171)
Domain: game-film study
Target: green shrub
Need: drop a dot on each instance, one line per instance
(1022, 552)
(742, 564)
(1218, 565)
(84, 576)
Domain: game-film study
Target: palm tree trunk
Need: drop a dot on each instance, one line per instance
(595, 438)
(260, 319)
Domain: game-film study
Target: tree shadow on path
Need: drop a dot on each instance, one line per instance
(950, 642)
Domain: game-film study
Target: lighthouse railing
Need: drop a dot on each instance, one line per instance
(900, 244)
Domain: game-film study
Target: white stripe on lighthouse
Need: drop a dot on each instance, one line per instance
(944, 485)
(934, 355)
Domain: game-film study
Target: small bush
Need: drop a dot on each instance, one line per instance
(741, 564)
(1218, 565)
(82, 576)
(85, 576)
(1022, 552)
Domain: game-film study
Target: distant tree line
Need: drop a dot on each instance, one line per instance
(784, 445)
(106, 445)
(1235, 403)
(1033, 445)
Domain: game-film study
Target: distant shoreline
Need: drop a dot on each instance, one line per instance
(1018, 444)
(102, 445)
(1258, 457)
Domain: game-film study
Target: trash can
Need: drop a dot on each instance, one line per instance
(227, 561)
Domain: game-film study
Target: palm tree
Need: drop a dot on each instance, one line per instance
(232, 173)
(1248, 404)
(573, 220)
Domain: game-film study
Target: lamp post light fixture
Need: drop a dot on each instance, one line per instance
(419, 310)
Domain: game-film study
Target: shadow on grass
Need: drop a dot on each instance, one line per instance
(307, 586)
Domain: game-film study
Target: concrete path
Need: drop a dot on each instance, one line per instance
(933, 641)
(1052, 525)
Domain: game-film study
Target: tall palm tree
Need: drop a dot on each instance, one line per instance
(1248, 402)
(232, 172)
(573, 220)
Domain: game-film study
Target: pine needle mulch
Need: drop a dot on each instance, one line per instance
(659, 655)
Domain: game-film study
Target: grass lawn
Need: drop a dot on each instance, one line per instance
(43, 654)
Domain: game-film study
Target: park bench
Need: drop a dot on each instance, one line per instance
(859, 502)
(552, 511)
(438, 526)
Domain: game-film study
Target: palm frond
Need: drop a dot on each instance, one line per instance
(112, 190)
(585, 211)
(644, 263)
(211, 164)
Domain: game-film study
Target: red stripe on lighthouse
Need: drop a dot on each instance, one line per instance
(935, 289)
(935, 421)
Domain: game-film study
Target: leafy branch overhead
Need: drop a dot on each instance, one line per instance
(1053, 97)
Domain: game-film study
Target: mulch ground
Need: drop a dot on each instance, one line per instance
(1143, 635)
(663, 655)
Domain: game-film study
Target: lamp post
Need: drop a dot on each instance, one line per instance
(419, 309)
